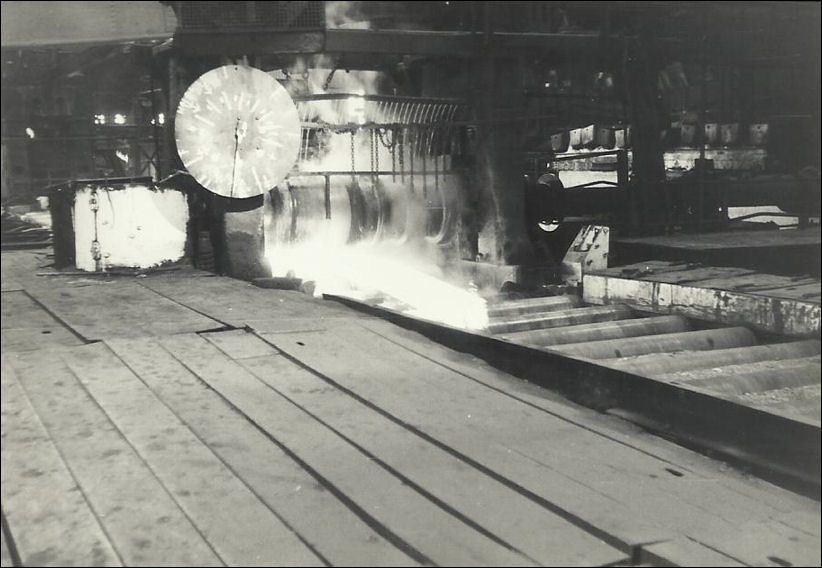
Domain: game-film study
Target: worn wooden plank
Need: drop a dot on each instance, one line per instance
(236, 302)
(236, 344)
(240, 528)
(475, 369)
(27, 339)
(342, 538)
(17, 308)
(429, 532)
(118, 308)
(805, 289)
(679, 272)
(296, 325)
(17, 268)
(476, 421)
(5, 553)
(479, 497)
(782, 316)
(776, 501)
(27, 326)
(719, 278)
(115, 481)
(731, 239)
(802, 519)
(668, 270)
(48, 515)
(422, 399)
(684, 552)
(807, 292)
(699, 276)
(759, 283)
(646, 267)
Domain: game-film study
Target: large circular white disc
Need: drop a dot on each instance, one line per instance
(237, 131)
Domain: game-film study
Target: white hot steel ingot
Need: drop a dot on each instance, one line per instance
(237, 131)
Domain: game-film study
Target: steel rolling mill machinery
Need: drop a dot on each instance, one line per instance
(595, 176)
(627, 193)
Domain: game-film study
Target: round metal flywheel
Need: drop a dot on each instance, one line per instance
(237, 131)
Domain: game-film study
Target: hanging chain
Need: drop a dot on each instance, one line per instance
(434, 143)
(93, 202)
(402, 156)
(372, 147)
(376, 179)
(424, 155)
(393, 155)
(96, 248)
(353, 163)
(391, 143)
(376, 152)
(412, 135)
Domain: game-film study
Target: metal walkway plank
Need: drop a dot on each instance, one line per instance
(432, 533)
(98, 309)
(237, 525)
(482, 499)
(113, 477)
(474, 420)
(616, 430)
(341, 537)
(48, 516)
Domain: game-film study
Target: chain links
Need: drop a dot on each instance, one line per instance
(353, 163)
(376, 152)
(402, 157)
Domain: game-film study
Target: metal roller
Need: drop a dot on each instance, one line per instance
(601, 331)
(366, 209)
(751, 377)
(797, 402)
(300, 212)
(562, 318)
(659, 364)
(687, 341)
(533, 306)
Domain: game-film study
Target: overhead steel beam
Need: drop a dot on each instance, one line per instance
(380, 42)
(455, 44)
(251, 42)
(78, 24)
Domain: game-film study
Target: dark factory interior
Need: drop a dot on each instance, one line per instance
(411, 283)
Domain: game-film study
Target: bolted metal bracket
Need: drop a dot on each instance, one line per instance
(588, 253)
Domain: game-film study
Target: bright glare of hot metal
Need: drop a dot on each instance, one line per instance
(396, 274)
